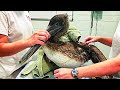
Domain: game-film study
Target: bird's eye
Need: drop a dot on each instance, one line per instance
(62, 23)
(57, 24)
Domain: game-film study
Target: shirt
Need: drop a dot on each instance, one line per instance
(16, 25)
(115, 48)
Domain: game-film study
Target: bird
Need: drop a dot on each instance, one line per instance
(69, 54)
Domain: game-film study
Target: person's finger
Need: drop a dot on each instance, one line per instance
(88, 42)
(60, 77)
(56, 75)
(56, 71)
(87, 39)
(48, 34)
(42, 38)
(44, 33)
(41, 43)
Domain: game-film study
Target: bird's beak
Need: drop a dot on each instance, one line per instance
(55, 28)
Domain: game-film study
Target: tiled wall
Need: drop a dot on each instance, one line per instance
(82, 20)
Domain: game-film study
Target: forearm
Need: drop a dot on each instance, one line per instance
(100, 69)
(7, 49)
(106, 41)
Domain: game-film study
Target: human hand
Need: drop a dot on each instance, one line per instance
(91, 39)
(38, 37)
(63, 73)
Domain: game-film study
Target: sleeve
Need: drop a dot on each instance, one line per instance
(3, 23)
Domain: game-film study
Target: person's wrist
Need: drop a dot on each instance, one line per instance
(28, 42)
(99, 39)
(74, 73)
(25, 43)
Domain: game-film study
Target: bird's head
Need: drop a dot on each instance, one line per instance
(58, 26)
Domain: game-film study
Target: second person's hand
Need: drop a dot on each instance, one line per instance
(91, 39)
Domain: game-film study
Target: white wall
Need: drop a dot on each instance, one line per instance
(46, 15)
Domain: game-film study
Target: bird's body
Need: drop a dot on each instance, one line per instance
(70, 54)
(65, 55)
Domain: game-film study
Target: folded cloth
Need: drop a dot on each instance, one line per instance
(38, 69)
(33, 68)
(73, 34)
(41, 68)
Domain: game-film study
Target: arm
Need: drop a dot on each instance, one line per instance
(7, 49)
(99, 69)
(103, 40)
(106, 41)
